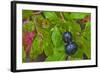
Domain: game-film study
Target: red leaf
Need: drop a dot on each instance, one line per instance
(27, 40)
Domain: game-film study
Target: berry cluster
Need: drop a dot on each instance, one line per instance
(70, 47)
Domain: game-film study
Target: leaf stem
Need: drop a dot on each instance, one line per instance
(69, 58)
(62, 16)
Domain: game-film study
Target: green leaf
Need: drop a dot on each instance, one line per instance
(86, 47)
(29, 26)
(67, 15)
(58, 54)
(50, 15)
(61, 48)
(26, 13)
(47, 47)
(87, 36)
(56, 37)
(36, 49)
(56, 57)
(87, 32)
(23, 55)
(52, 58)
(78, 55)
(47, 41)
(78, 15)
(74, 27)
(61, 53)
(88, 25)
(74, 15)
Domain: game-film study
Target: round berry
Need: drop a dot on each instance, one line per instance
(67, 37)
(71, 48)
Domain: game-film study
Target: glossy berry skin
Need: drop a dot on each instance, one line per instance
(67, 37)
(71, 48)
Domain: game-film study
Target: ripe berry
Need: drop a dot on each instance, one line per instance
(71, 48)
(67, 37)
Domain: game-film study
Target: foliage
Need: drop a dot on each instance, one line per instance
(49, 27)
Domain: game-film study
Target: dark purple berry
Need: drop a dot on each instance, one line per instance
(67, 37)
(71, 48)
